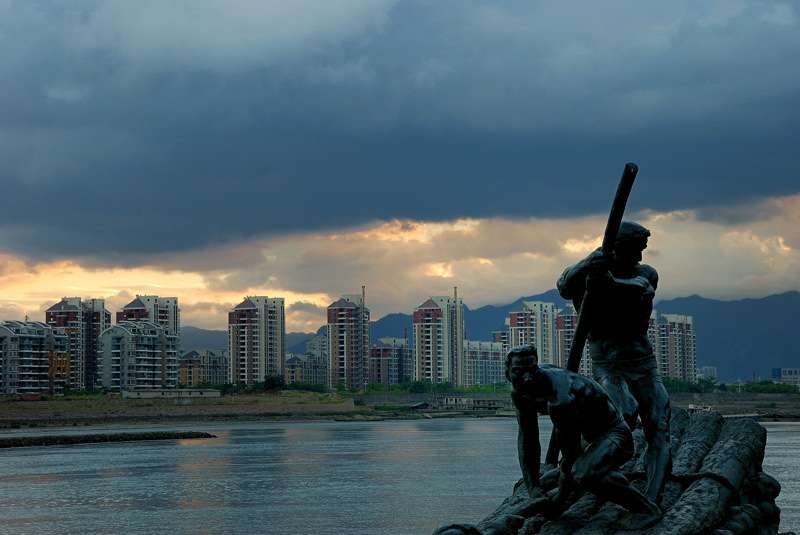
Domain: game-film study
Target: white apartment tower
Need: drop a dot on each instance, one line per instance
(34, 358)
(161, 310)
(533, 322)
(673, 340)
(566, 321)
(138, 355)
(485, 362)
(256, 339)
(502, 334)
(348, 341)
(389, 361)
(438, 340)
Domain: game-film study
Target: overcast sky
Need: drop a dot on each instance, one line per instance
(212, 150)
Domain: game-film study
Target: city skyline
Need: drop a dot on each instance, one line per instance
(211, 151)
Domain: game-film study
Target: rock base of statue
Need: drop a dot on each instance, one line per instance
(716, 487)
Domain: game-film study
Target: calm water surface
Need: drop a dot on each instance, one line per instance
(397, 477)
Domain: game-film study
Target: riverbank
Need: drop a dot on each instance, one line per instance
(285, 406)
(778, 406)
(94, 411)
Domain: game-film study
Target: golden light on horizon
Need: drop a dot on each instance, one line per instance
(29, 292)
(403, 262)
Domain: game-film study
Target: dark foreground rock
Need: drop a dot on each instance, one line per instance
(717, 487)
(60, 440)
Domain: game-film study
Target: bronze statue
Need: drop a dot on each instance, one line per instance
(622, 291)
(579, 409)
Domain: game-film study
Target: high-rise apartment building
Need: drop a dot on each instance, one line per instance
(348, 341)
(216, 366)
(34, 358)
(389, 361)
(312, 366)
(485, 362)
(673, 340)
(438, 340)
(566, 321)
(161, 310)
(256, 339)
(502, 334)
(138, 355)
(532, 322)
(83, 321)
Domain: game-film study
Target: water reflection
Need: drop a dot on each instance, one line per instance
(782, 461)
(390, 477)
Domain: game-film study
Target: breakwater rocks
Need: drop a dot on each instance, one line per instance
(61, 440)
(716, 487)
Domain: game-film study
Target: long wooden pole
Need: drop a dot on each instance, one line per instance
(584, 314)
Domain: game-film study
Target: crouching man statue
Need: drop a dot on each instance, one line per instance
(579, 409)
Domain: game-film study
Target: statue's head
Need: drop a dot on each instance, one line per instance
(522, 365)
(631, 241)
(631, 236)
(526, 350)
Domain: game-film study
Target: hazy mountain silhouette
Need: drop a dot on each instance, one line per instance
(194, 338)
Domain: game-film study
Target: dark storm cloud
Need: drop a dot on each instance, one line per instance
(131, 130)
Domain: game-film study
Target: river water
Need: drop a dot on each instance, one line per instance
(337, 478)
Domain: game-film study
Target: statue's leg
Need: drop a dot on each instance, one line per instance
(618, 390)
(655, 414)
(616, 488)
(596, 471)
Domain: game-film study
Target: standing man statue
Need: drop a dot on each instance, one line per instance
(622, 291)
(580, 411)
